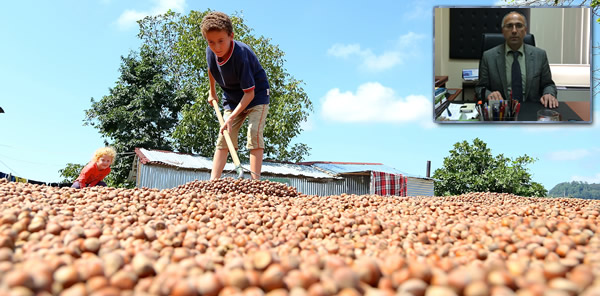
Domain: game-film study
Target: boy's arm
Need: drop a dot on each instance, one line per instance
(246, 99)
(212, 94)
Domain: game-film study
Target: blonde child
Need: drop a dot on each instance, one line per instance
(98, 168)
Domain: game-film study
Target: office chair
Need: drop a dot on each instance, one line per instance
(490, 40)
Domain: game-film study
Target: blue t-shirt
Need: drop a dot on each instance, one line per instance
(238, 72)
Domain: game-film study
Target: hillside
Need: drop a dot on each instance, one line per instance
(576, 189)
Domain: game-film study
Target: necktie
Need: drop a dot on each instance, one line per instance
(517, 82)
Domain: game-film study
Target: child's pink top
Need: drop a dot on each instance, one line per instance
(91, 175)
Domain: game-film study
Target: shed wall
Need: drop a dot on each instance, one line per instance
(358, 185)
(419, 187)
(162, 177)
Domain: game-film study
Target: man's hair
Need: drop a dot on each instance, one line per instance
(504, 18)
(104, 151)
(216, 21)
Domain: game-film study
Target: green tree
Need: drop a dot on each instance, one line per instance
(70, 172)
(473, 168)
(159, 101)
(141, 110)
(577, 189)
(179, 41)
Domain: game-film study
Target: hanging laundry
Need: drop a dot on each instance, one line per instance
(388, 184)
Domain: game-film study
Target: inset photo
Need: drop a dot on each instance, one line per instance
(512, 65)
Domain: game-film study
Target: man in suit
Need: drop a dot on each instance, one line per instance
(498, 65)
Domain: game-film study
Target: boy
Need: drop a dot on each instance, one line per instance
(235, 67)
(98, 168)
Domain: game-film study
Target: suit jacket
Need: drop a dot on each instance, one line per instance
(492, 73)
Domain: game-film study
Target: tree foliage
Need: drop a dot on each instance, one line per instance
(473, 168)
(159, 101)
(141, 110)
(179, 40)
(576, 189)
(70, 172)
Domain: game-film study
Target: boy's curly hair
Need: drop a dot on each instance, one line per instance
(216, 21)
(108, 151)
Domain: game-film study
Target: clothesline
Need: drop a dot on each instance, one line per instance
(12, 178)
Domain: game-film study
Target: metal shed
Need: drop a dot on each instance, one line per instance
(166, 169)
(361, 174)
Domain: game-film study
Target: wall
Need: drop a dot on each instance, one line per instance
(562, 32)
(162, 177)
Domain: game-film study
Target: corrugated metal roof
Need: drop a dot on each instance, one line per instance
(357, 167)
(195, 162)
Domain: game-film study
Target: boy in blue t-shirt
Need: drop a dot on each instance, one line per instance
(236, 69)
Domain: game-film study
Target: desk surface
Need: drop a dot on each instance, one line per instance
(529, 111)
(438, 111)
(581, 108)
(575, 111)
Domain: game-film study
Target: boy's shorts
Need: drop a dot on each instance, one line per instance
(257, 117)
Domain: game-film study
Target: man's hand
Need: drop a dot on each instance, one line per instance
(549, 101)
(495, 96)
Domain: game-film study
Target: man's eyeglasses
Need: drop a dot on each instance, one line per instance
(511, 26)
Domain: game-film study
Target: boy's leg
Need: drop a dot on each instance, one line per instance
(256, 158)
(257, 118)
(219, 161)
(222, 151)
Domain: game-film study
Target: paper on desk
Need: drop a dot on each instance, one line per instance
(457, 115)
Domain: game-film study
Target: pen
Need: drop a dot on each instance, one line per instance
(496, 112)
(485, 114)
(448, 109)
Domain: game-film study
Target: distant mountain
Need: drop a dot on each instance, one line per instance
(576, 189)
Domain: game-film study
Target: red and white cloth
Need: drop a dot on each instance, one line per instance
(388, 184)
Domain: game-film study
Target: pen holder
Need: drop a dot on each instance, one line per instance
(504, 118)
(498, 110)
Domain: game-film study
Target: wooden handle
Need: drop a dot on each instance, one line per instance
(232, 150)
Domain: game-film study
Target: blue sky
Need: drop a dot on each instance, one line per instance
(368, 71)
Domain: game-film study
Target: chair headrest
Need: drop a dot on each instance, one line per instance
(491, 40)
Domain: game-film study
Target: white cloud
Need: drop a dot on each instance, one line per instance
(405, 47)
(344, 51)
(568, 155)
(129, 18)
(589, 179)
(374, 102)
(422, 10)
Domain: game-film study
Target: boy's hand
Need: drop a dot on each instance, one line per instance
(226, 125)
(210, 99)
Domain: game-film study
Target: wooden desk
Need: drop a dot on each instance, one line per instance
(581, 108)
(438, 111)
(440, 81)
